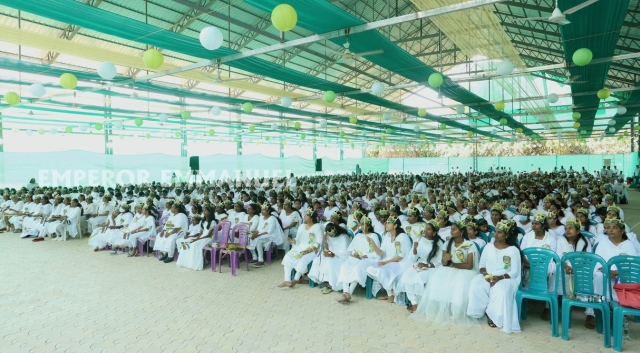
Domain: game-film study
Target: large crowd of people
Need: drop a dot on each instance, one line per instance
(446, 246)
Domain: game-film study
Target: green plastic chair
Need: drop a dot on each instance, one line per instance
(584, 265)
(628, 272)
(539, 259)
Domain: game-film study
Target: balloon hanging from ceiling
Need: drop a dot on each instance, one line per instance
(12, 98)
(284, 17)
(505, 68)
(329, 96)
(286, 101)
(552, 98)
(211, 38)
(435, 80)
(582, 56)
(107, 70)
(37, 90)
(153, 59)
(377, 88)
(247, 107)
(215, 111)
(68, 81)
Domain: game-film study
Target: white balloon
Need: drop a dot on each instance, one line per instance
(363, 133)
(377, 88)
(274, 126)
(416, 128)
(286, 102)
(37, 90)
(552, 98)
(386, 116)
(323, 123)
(118, 125)
(505, 68)
(211, 38)
(107, 70)
(612, 129)
(460, 109)
(621, 110)
(473, 124)
(163, 117)
(559, 135)
(53, 131)
(611, 122)
(84, 127)
(29, 132)
(215, 111)
(494, 131)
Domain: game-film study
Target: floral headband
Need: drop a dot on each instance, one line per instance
(197, 216)
(336, 215)
(288, 202)
(266, 205)
(365, 220)
(471, 204)
(505, 225)
(573, 223)
(443, 213)
(427, 208)
(614, 208)
(608, 197)
(310, 211)
(383, 212)
(391, 219)
(177, 203)
(473, 225)
(126, 206)
(332, 231)
(450, 204)
(551, 215)
(413, 212)
(460, 224)
(497, 208)
(434, 224)
(601, 205)
(358, 213)
(525, 211)
(539, 217)
(584, 211)
(615, 221)
(139, 206)
(550, 199)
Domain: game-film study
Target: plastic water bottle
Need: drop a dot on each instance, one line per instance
(625, 330)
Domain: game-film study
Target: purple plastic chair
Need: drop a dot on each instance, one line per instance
(222, 227)
(234, 255)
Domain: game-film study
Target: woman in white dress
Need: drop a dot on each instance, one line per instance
(99, 237)
(445, 226)
(446, 295)
(426, 255)
(29, 217)
(199, 236)
(174, 228)
(326, 267)
(395, 253)
(253, 218)
(493, 291)
(146, 228)
(48, 227)
(330, 209)
(268, 231)
(361, 256)
(473, 232)
(31, 227)
(104, 210)
(572, 241)
(120, 240)
(28, 208)
(290, 219)
(121, 227)
(306, 246)
(617, 243)
(539, 237)
(69, 224)
(414, 226)
(555, 227)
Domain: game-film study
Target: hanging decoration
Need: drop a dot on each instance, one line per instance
(470, 133)
(386, 116)
(286, 101)
(118, 125)
(503, 121)
(37, 90)
(153, 59)
(388, 131)
(443, 126)
(252, 128)
(215, 111)
(422, 112)
(68, 129)
(342, 133)
(621, 110)
(353, 120)
(604, 93)
(12, 98)
(68, 81)
(460, 109)
(274, 126)
(473, 125)
(212, 132)
(107, 70)
(297, 125)
(178, 134)
(323, 123)
(499, 106)
(147, 136)
(416, 128)
(138, 121)
(435, 80)
(553, 98)
(186, 115)
(576, 115)
(576, 125)
(505, 68)
(303, 136)
(163, 117)
(284, 17)
(582, 56)
(611, 122)
(519, 130)
(97, 126)
(377, 88)
(211, 38)
(247, 107)
(329, 96)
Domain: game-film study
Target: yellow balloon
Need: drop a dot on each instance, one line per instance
(68, 81)
(576, 125)
(470, 133)
(284, 17)
(499, 105)
(12, 98)
(153, 59)
(519, 130)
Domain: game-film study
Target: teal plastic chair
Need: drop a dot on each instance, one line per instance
(512, 209)
(593, 222)
(521, 231)
(628, 272)
(478, 248)
(539, 259)
(595, 246)
(587, 235)
(584, 265)
(369, 283)
(491, 228)
(311, 283)
(484, 236)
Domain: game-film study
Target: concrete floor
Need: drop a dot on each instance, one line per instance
(63, 297)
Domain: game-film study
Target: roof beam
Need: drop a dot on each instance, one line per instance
(68, 33)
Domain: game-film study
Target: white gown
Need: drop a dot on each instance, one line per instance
(353, 269)
(305, 239)
(94, 221)
(547, 242)
(499, 301)
(413, 280)
(130, 240)
(446, 295)
(327, 269)
(191, 251)
(99, 236)
(563, 247)
(388, 274)
(168, 244)
(606, 249)
(414, 230)
(114, 235)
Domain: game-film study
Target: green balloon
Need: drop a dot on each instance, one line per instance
(186, 115)
(443, 126)
(178, 134)
(329, 96)
(342, 133)
(98, 126)
(247, 107)
(303, 136)
(267, 138)
(148, 136)
(211, 132)
(422, 112)
(582, 56)
(576, 115)
(138, 121)
(41, 131)
(388, 131)
(297, 125)
(503, 121)
(252, 128)
(68, 129)
(435, 80)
